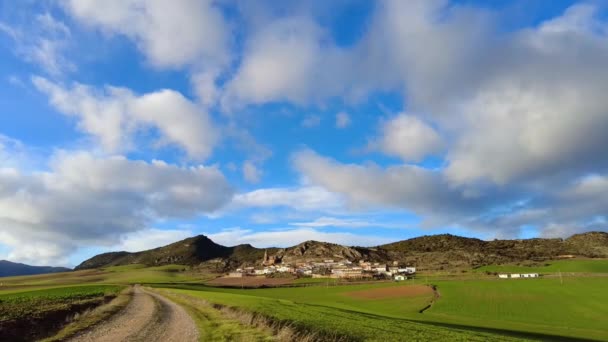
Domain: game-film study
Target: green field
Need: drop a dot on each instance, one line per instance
(36, 303)
(532, 308)
(578, 307)
(564, 266)
(474, 307)
(363, 321)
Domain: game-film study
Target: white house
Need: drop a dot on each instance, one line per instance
(529, 275)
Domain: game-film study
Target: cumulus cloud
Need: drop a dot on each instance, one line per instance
(86, 200)
(169, 34)
(291, 237)
(289, 59)
(190, 33)
(409, 138)
(413, 188)
(114, 115)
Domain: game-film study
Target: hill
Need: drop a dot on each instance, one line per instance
(427, 252)
(9, 269)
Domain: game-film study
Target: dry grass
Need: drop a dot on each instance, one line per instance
(89, 318)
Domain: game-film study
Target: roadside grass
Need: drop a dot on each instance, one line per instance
(316, 313)
(572, 307)
(87, 319)
(564, 266)
(213, 325)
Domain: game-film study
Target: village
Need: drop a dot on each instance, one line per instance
(327, 268)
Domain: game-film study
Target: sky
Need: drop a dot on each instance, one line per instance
(131, 124)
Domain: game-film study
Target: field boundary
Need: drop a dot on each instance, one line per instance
(436, 296)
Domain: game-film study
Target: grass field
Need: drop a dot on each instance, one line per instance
(578, 307)
(474, 307)
(532, 308)
(339, 310)
(571, 266)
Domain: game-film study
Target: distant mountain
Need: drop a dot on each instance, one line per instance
(191, 251)
(427, 252)
(8, 269)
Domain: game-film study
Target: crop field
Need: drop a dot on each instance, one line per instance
(511, 309)
(131, 274)
(42, 311)
(359, 312)
(564, 266)
(16, 305)
(574, 306)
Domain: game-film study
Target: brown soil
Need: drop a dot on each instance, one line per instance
(392, 292)
(250, 281)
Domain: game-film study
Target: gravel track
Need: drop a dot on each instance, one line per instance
(148, 317)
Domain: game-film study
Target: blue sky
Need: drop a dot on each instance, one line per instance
(132, 124)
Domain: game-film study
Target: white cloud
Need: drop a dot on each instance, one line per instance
(342, 120)
(303, 198)
(170, 34)
(186, 33)
(291, 237)
(149, 239)
(344, 223)
(114, 115)
(42, 42)
(290, 59)
(84, 200)
(416, 189)
(311, 121)
(409, 138)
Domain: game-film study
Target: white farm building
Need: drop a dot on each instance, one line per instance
(518, 275)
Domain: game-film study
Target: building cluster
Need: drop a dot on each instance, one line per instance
(330, 269)
(518, 275)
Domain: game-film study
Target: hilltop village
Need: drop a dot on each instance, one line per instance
(328, 268)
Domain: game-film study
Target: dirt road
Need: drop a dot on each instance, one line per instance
(148, 317)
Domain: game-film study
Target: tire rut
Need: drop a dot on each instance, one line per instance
(148, 317)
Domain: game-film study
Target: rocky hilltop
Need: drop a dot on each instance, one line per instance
(427, 252)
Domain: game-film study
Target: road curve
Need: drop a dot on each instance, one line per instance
(148, 317)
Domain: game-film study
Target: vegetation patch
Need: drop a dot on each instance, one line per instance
(31, 315)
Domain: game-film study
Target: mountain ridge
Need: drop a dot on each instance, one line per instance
(426, 252)
(9, 269)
